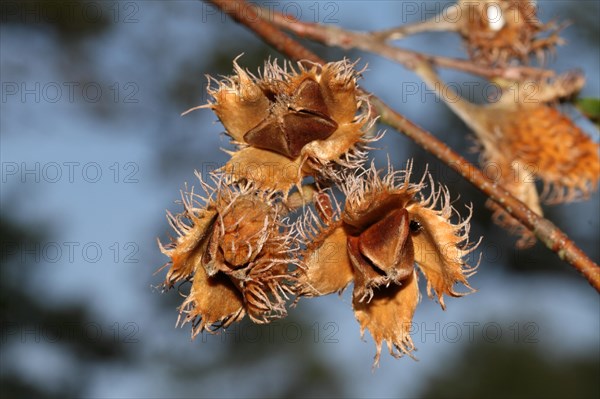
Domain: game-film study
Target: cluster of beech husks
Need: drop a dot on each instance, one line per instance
(261, 235)
(522, 136)
(496, 33)
(247, 250)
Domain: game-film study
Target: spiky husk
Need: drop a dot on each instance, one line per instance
(388, 316)
(236, 249)
(441, 247)
(385, 296)
(561, 154)
(327, 267)
(511, 31)
(244, 102)
(525, 142)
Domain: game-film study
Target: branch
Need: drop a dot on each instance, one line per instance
(332, 35)
(545, 231)
(432, 24)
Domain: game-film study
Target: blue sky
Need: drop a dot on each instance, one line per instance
(136, 61)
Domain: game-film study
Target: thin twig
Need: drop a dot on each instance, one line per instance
(445, 22)
(332, 35)
(545, 231)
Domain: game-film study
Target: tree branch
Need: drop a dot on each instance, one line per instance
(432, 24)
(332, 35)
(545, 231)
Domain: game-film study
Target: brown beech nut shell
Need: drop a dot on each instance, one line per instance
(235, 249)
(385, 232)
(288, 134)
(387, 244)
(292, 122)
(288, 131)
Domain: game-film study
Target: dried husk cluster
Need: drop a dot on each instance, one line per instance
(236, 249)
(497, 32)
(385, 227)
(236, 243)
(242, 253)
(288, 123)
(524, 137)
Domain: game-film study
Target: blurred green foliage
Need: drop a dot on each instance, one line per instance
(590, 107)
(71, 19)
(507, 370)
(27, 318)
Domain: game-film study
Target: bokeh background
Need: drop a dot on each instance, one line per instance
(94, 150)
